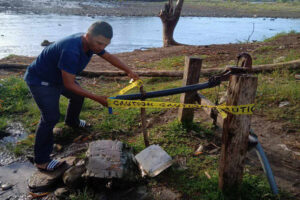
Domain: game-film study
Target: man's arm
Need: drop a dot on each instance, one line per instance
(69, 83)
(115, 61)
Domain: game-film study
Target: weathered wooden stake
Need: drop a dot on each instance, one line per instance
(191, 76)
(241, 91)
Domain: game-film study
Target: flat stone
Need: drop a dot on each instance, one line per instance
(283, 103)
(6, 186)
(43, 181)
(107, 159)
(153, 160)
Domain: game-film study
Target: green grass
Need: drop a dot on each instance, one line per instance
(275, 88)
(277, 8)
(278, 35)
(13, 95)
(169, 63)
(24, 146)
(85, 194)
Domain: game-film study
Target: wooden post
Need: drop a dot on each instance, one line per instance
(241, 91)
(191, 76)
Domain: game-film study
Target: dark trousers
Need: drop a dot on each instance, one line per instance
(47, 99)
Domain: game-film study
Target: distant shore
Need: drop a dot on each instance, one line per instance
(147, 8)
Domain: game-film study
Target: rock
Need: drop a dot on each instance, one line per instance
(6, 186)
(283, 103)
(297, 76)
(284, 147)
(279, 59)
(46, 43)
(199, 150)
(107, 159)
(57, 131)
(165, 193)
(43, 181)
(73, 176)
(57, 147)
(100, 196)
(213, 151)
(153, 160)
(61, 193)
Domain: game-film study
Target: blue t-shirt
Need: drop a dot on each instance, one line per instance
(66, 54)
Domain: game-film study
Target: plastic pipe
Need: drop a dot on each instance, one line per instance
(265, 164)
(168, 92)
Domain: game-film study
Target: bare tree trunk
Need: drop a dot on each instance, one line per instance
(169, 18)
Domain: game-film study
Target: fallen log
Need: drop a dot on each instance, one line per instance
(13, 66)
(295, 64)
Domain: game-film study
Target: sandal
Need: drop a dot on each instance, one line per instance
(83, 124)
(52, 166)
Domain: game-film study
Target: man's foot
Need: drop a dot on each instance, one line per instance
(50, 166)
(83, 124)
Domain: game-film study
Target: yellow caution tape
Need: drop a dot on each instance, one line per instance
(236, 110)
(137, 83)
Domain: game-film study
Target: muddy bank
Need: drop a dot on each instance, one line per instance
(140, 8)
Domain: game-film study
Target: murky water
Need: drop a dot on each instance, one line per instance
(23, 34)
(12, 134)
(14, 171)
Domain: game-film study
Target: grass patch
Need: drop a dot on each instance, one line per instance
(24, 146)
(264, 49)
(169, 63)
(81, 195)
(278, 35)
(275, 88)
(13, 95)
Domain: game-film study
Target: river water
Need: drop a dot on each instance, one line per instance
(22, 34)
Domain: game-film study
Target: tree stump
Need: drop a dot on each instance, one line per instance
(169, 17)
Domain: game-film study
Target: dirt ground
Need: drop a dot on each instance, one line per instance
(214, 55)
(143, 8)
(282, 145)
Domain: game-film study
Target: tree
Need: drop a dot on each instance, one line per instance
(169, 17)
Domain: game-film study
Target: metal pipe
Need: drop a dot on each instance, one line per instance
(160, 93)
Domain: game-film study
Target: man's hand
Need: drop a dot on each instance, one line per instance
(133, 75)
(102, 100)
(69, 83)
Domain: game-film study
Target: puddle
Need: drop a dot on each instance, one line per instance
(13, 133)
(13, 171)
(16, 174)
(10, 136)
